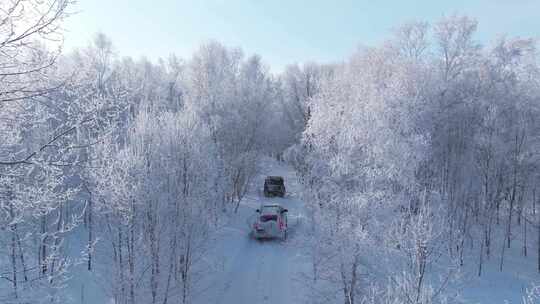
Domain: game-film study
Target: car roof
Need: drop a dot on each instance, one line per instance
(274, 177)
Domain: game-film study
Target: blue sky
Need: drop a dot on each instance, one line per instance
(281, 32)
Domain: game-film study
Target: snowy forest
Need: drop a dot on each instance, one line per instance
(416, 162)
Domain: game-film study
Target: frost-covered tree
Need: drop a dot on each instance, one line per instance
(363, 152)
(431, 126)
(34, 190)
(158, 208)
(235, 97)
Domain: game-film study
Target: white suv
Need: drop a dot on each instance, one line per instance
(271, 222)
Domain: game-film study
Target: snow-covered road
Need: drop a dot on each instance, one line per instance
(260, 271)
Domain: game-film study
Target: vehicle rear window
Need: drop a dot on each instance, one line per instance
(274, 181)
(269, 210)
(268, 217)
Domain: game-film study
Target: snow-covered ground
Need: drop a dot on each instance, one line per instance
(273, 271)
(509, 286)
(254, 271)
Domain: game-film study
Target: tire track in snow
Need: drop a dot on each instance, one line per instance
(260, 271)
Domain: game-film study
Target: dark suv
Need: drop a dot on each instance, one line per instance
(274, 186)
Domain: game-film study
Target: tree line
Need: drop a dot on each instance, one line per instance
(422, 151)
